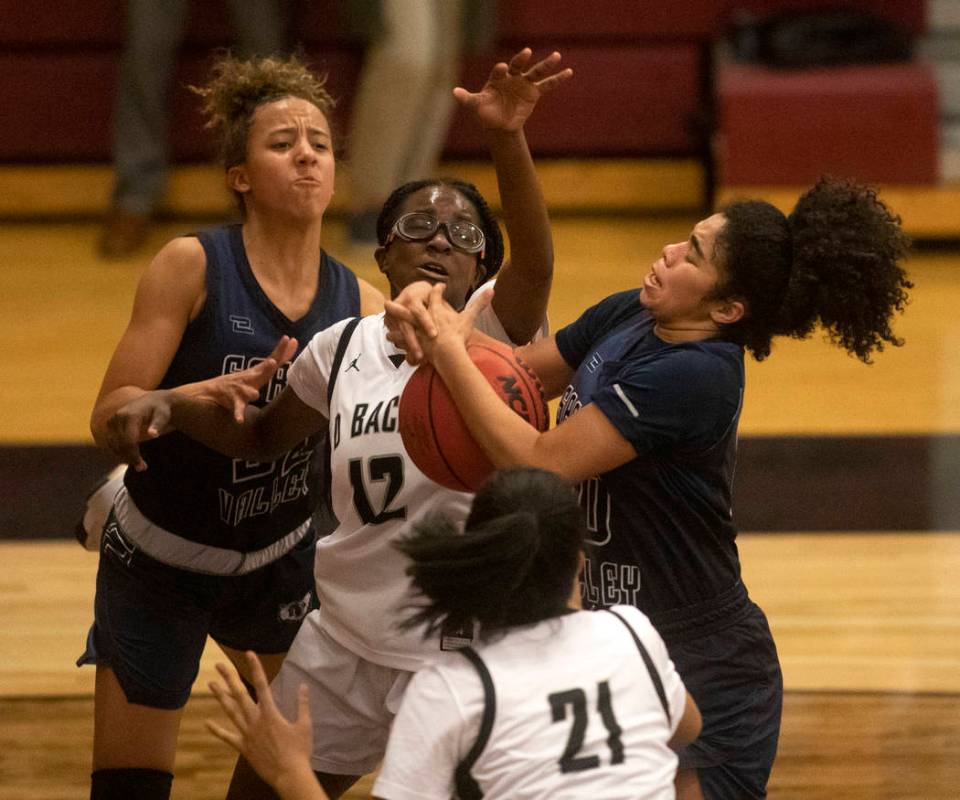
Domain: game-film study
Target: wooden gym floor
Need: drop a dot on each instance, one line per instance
(848, 494)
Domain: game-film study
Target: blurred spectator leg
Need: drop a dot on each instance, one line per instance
(403, 104)
(261, 28)
(140, 123)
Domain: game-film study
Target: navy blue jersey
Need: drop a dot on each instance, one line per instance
(661, 530)
(195, 492)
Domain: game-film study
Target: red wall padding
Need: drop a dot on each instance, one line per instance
(59, 105)
(91, 23)
(876, 123)
(627, 99)
(637, 90)
(100, 22)
(565, 20)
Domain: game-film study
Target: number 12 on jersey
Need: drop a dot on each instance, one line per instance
(380, 469)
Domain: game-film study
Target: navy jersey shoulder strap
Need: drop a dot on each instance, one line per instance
(648, 663)
(345, 337)
(467, 788)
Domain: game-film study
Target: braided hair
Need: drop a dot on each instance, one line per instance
(493, 247)
(514, 564)
(834, 260)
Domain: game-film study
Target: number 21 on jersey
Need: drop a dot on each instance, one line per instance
(575, 700)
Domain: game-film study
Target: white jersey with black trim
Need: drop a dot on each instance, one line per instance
(576, 715)
(377, 491)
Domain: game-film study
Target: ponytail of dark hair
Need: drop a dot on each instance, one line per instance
(514, 564)
(834, 261)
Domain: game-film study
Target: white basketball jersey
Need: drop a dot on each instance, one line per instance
(576, 715)
(378, 493)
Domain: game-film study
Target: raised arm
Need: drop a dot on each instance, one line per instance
(502, 107)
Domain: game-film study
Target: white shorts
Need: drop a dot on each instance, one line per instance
(352, 701)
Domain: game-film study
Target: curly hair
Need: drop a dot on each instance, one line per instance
(238, 87)
(493, 248)
(515, 563)
(835, 260)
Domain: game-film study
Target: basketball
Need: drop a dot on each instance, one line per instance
(435, 435)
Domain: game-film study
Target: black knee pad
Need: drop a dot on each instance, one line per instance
(123, 784)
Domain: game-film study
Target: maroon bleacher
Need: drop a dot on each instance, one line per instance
(638, 90)
(877, 123)
(642, 87)
(874, 122)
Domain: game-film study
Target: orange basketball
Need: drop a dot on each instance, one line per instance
(435, 435)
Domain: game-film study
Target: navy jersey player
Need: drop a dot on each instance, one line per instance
(551, 701)
(205, 544)
(348, 379)
(654, 381)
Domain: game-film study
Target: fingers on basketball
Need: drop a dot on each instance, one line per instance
(434, 433)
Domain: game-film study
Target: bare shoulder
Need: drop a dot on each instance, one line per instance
(174, 279)
(182, 256)
(371, 298)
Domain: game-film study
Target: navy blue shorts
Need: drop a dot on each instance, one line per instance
(151, 620)
(734, 675)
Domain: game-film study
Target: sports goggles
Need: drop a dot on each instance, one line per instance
(419, 227)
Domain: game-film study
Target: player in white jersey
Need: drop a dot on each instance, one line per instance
(355, 659)
(377, 492)
(553, 702)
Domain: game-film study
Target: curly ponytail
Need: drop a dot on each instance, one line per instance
(515, 563)
(834, 261)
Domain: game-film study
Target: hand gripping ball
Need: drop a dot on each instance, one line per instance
(435, 435)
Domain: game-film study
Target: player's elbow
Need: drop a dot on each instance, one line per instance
(99, 418)
(689, 726)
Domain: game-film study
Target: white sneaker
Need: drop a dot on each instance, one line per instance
(97, 508)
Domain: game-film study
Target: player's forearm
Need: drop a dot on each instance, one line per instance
(214, 427)
(106, 406)
(109, 404)
(524, 209)
(505, 437)
(526, 284)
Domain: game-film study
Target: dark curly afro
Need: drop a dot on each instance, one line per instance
(834, 261)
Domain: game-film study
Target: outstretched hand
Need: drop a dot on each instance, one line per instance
(150, 415)
(143, 418)
(512, 90)
(235, 390)
(277, 749)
